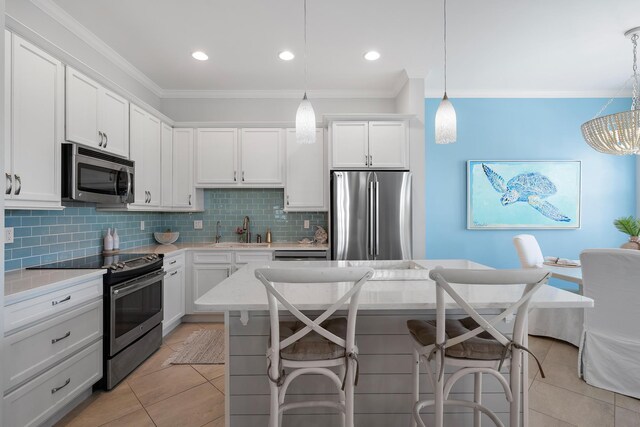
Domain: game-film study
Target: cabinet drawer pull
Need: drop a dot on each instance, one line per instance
(9, 183)
(174, 273)
(173, 262)
(101, 135)
(18, 184)
(61, 301)
(242, 176)
(189, 199)
(106, 140)
(55, 340)
(57, 389)
(235, 176)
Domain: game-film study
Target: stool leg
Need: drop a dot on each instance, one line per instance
(439, 395)
(341, 394)
(416, 383)
(516, 382)
(348, 391)
(477, 397)
(274, 414)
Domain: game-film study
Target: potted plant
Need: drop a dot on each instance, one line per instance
(630, 226)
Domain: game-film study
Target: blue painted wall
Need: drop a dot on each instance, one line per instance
(522, 129)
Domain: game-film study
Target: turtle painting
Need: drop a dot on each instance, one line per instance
(528, 187)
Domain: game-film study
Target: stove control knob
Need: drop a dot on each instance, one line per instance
(121, 265)
(113, 266)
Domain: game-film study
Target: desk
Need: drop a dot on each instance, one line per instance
(382, 397)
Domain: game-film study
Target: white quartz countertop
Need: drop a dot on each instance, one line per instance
(228, 246)
(243, 292)
(23, 284)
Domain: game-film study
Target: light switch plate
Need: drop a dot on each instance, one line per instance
(306, 223)
(8, 235)
(141, 225)
(197, 224)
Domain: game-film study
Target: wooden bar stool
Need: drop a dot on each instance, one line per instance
(472, 344)
(318, 346)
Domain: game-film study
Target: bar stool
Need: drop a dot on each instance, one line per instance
(472, 344)
(306, 346)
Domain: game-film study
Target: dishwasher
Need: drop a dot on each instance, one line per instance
(293, 255)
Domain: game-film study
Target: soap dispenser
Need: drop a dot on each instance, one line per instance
(267, 238)
(108, 241)
(116, 240)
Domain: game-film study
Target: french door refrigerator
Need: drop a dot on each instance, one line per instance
(371, 215)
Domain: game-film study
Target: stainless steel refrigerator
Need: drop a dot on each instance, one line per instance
(370, 215)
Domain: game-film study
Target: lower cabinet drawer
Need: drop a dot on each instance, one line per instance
(34, 349)
(247, 257)
(212, 257)
(39, 399)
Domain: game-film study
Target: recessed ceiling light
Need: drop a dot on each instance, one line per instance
(200, 56)
(372, 55)
(286, 55)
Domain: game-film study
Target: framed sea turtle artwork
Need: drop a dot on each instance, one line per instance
(519, 194)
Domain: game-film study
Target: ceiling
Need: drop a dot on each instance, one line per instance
(495, 47)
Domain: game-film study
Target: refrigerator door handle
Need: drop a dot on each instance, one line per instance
(371, 219)
(377, 221)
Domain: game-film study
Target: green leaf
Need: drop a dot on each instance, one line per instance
(628, 225)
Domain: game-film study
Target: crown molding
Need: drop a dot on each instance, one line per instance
(527, 94)
(276, 94)
(71, 24)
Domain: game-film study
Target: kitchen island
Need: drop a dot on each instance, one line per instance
(399, 291)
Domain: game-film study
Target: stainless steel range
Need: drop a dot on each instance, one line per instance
(132, 309)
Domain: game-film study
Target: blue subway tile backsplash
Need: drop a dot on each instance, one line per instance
(41, 237)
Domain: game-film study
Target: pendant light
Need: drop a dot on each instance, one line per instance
(305, 116)
(445, 115)
(618, 133)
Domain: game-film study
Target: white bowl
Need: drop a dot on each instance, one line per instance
(166, 238)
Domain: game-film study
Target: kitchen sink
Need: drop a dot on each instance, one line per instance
(240, 245)
(393, 270)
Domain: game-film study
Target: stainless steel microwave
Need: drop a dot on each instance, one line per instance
(94, 176)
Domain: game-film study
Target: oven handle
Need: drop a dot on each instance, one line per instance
(135, 285)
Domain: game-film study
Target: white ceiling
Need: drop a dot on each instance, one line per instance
(496, 47)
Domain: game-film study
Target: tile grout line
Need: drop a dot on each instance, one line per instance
(187, 389)
(551, 416)
(140, 402)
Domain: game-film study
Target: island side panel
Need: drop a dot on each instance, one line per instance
(383, 395)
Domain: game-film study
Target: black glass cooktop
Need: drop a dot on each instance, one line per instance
(88, 263)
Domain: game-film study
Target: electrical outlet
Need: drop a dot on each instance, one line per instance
(306, 223)
(8, 235)
(142, 225)
(197, 224)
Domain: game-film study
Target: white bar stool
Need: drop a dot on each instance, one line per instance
(306, 346)
(472, 344)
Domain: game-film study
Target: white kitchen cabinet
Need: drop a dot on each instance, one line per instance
(369, 144)
(95, 116)
(306, 174)
(167, 165)
(261, 156)
(34, 101)
(216, 157)
(227, 158)
(173, 292)
(204, 278)
(183, 189)
(146, 152)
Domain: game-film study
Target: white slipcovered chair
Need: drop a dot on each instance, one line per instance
(610, 348)
(560, 323)
(313, 346)
(472, 345)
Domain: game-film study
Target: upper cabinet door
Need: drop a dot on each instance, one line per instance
(167, 165)
(261, 156)
(152, 161)
(114, 123)
(216, 157)
(82, 109)
(349, 144)
(138, 120)
(305, 174)
(7, 115)
(387, 145)
(37, 108)
(183, 190)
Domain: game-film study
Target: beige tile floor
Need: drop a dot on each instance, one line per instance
(193, 395)
(156, 395)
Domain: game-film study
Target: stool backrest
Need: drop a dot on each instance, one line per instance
(529, 251)
(349, 279)
(532, 278)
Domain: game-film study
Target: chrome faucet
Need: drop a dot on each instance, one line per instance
(246, 228)
(218, 232)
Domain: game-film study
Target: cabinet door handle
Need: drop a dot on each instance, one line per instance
(370, 160)
(235, 175)
(55, 340)
(101, 135)
(149, 197)
(228, 271)
(106, 140)
(366, 160)
(173, 262)
(174, 273)
(287, 200)
(61, 301)
(57, 389)
(189, 199)
(9, 183)
(18, 184)
(242, 176)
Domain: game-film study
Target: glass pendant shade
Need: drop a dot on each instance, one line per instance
(305, 123)
(446, 122)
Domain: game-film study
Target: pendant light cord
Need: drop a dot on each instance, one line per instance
(445, 47)
(305, 47)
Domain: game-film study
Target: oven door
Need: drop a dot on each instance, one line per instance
(136, 307)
